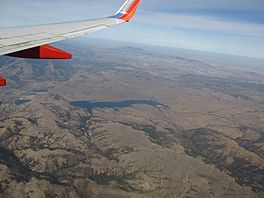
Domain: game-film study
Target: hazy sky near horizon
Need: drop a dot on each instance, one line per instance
(225, 26)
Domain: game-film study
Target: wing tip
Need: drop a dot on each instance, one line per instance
(128, 10)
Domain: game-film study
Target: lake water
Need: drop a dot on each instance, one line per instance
(40, 90)
(121, 104)
(20, 102)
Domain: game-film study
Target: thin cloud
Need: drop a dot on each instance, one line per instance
(253, 5)
(205, 23)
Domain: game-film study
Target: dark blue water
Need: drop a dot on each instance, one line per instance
(40, 90)
(20, 102)
(114, 105)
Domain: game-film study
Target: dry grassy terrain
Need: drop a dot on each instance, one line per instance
(127, 122)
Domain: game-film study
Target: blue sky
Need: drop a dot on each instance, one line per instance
(225, 26)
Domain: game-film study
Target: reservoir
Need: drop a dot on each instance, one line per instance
(22, 101)
(114, 105)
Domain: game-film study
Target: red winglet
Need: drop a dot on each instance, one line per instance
(131, 11)
(127, 11)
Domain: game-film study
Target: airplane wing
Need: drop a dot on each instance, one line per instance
(32, 41)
